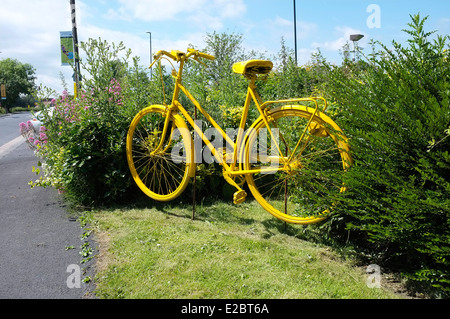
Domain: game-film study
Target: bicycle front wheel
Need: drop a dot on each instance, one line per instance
(297, 163)
(161, 171)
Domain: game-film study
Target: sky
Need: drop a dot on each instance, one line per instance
(30, 29)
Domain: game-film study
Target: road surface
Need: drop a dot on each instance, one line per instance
(36, 229)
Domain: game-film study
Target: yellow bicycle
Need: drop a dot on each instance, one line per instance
(292, 157)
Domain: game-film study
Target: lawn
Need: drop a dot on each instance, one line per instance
(227, 252)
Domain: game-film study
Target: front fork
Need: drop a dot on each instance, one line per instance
(164, 132)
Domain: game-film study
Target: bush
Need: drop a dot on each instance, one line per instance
(394, 107)
(85, 144)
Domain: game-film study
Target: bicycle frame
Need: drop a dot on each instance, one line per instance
(231, 169)
(293, 130)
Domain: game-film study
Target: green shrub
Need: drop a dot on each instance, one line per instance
(85, 142)
(394, 107)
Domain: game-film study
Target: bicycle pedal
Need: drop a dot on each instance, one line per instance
(239, 197)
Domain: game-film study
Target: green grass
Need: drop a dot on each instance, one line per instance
(228, 252)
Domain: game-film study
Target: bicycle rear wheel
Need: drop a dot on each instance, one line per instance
(298, 187)
(162, 175)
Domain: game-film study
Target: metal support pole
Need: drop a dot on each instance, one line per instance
(151, 55)
(295, 31)
(194, 190)
(75, 47)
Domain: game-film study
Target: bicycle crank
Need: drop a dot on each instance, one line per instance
(239, 196)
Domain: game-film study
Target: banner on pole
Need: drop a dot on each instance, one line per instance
(67, 56)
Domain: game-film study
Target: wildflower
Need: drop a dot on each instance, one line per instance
(43, 136)
(30, 125)
(23, 128)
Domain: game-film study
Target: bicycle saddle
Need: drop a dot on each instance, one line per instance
(253, 67)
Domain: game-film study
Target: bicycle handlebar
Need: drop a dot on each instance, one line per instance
(201, 54)
(161, 53)
(178, 55)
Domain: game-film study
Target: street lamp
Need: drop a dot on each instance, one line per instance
(355, 38)
(295, 32)
(151, 57)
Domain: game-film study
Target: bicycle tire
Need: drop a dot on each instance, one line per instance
(164, 175)
(304, 189)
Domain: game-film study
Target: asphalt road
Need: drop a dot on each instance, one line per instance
(36, 228)
(9, 126)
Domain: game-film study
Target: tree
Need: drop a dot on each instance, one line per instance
(285, 55)
(214, 85)
(18, 78)
(226, 48)
(103, 62)
(394, 109)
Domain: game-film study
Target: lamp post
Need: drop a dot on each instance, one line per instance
(355, 38)
(295, 31)
(77, 75)
(151, 57)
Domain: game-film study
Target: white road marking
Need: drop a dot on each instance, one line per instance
(10, 146)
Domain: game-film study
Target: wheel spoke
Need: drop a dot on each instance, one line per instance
(301, 192)
(159, 174)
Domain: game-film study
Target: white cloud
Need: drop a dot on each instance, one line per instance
(22, 22)
(207, 13)
(229, 8)
(304, 29)
(29, 29)
(156, 10)
(29, 32)
(139, 45)
(343, 33)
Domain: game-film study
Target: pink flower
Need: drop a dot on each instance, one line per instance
(43, 136)
(23, 127)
